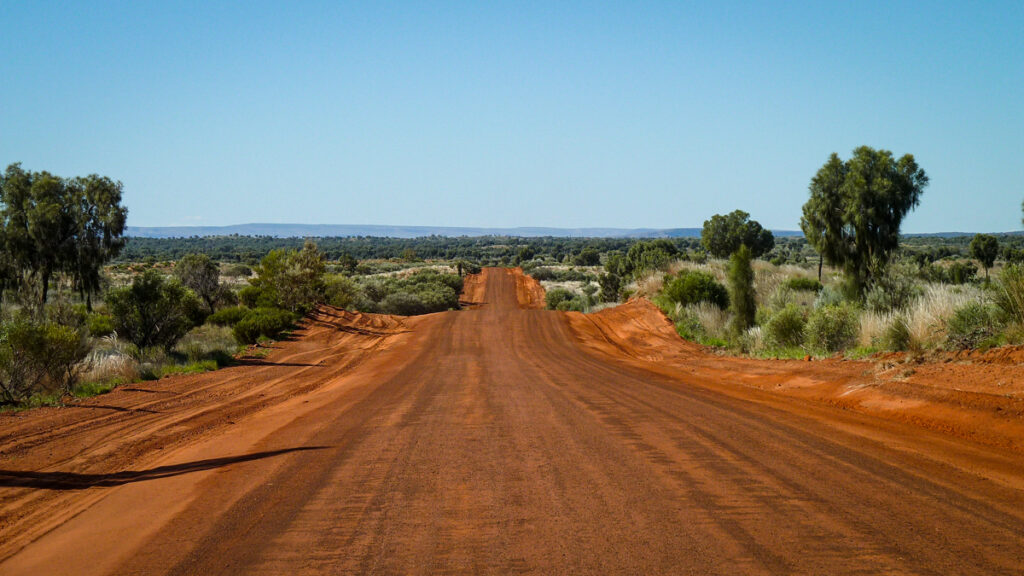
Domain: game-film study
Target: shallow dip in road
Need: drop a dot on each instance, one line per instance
(490, 440)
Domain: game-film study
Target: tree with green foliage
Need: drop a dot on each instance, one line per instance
(724, 234)
(855, 209)
(741, 290)
(347, 263)
(199, 273)
(100, 220)
(985, 248)
(290, 279)
(526, 253)
(588, 257)
(51, 225)
(823, 220)
(610, 286)
(154, 310)
(649, 255)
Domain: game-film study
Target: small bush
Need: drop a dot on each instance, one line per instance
(403, 303)
(785, 328)
(340, 291)
(258, 296)
(154, 311)
(832, 328)
(555, 297)
(891, 292)
(100, 325)
(803, 284)
(227, 316)
(972, 326)
(692, 286)
(208, 342)
(265, 322)
(896, 336)
(962, 272)
(38, 357)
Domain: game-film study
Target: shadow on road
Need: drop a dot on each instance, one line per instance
(75, 481)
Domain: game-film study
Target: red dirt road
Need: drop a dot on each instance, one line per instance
(500, 439)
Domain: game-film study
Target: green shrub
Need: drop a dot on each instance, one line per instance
(423, 292)
(543, 274)
(208, 342)
(227, 316)
(785, 328)
(154, 311)
(832, 328)
(692, 286)
(803, 284)
(403, 303)
(38, 357)
(575, 304)
(972, 326)
(891, 292)
(610, 286)
(555, 297)
(896, 336)
(100, 325)
(262, 296)
(340, 291)
(265, 322)
(961, 272)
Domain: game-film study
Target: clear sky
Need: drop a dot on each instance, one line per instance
(513, 114)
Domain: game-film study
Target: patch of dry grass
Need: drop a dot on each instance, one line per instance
(928, 314)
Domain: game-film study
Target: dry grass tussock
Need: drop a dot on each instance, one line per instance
(873, 326)
(110, 359)
(928, 314)
(716, 268)
(648, 285)
(713, 319)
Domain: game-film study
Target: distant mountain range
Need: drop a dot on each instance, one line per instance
(334, 230)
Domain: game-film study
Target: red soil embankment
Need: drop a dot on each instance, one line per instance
(529, 292)
(473, 286)
(979, 396)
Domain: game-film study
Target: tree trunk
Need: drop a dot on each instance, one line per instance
(45, 277)
(821, 262)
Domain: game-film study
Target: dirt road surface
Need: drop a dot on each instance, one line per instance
(502, 439)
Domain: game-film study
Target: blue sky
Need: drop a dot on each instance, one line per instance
(513, 114)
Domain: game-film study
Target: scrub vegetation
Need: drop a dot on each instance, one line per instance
(85, 309)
